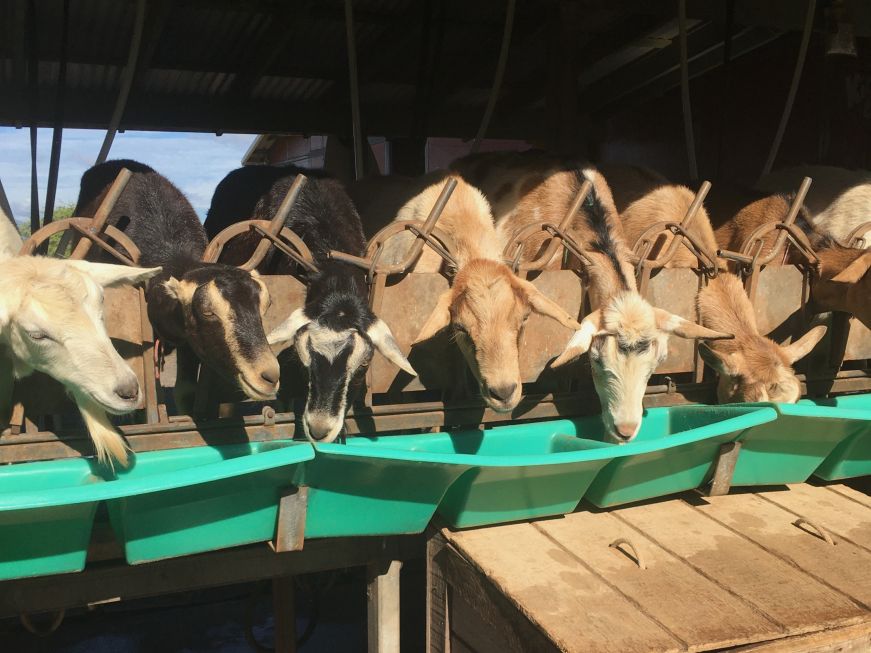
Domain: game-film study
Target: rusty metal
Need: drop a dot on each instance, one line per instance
(102, 214)
(855, 238)
(558, 236)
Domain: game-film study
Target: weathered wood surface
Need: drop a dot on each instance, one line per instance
(720, 573)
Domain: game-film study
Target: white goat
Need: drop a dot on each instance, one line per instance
(51, 321)
(10, 237)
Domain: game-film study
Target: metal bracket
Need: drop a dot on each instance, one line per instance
(290, 530)
(724, 469)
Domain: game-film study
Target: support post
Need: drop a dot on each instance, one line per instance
(437, 611)
(354, 88)
(284, 613)
(383, 606)
(57, 134)
(724, 469)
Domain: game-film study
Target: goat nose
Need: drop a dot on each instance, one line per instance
(502, 392)
(627, 430)
(128, 390)
(270, 376)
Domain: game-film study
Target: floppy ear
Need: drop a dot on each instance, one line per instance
(591, 326)
(439, 319)
(380, 335)
(803, 346)
(713, 360)
(671, 323)
(855, 271)
(109, 275)
(172, 286)
(285, 333)
(543, 305)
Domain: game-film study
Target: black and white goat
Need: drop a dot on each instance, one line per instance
(335, 334)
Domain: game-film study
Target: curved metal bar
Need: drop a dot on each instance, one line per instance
(820, 532)
(855, 238)
(97, 223)
(435, 239)
(559, 236)
(286, 241)
(85, 228)
(621, 542)
(56, 620)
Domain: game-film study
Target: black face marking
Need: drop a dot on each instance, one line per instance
(597, 219)
(639, 347)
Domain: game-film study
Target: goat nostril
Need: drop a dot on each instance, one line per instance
(128, 391)
(502, 392)
(627, 430)
(270, 376)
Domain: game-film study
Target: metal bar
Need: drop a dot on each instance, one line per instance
(276, 224)
(102, 214)
(793, 87)
(33, 96)
(354, 90)
(724, 469)
(5, 208)
(284, 614)
(791, 215)
(89, 237)
(126, 82)
(689, 137)
(498, 77)
(57, 134)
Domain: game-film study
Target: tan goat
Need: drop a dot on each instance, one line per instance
(751, 367)
(626, 337)
(844, 281)
(487, 304)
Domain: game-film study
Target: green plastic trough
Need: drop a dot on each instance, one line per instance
(169, 503)
(851, 457)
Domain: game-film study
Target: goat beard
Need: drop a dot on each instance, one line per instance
(108, 443)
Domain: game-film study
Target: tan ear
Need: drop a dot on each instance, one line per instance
(804, 345)
(543, 305)
(855, 271)
(714, 361)
(439, 319)
(591, 326)
(173, 288)
(671, 323)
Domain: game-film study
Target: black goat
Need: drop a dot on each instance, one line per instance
(335, 334)
(211, 312)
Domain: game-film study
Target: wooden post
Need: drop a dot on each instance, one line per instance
(383, 606)
(284, 612)
(437, 621)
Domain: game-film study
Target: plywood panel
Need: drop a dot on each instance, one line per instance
(776, 588)
(577, 610)
(675, 290)
(694, 607)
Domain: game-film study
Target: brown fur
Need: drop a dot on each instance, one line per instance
(669, 204)
(630, 183)
(751, 366)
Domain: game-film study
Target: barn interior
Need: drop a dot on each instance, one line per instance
(697, 90)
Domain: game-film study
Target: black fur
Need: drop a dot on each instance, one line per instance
(161, 222)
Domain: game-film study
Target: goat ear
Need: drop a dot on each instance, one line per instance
(380, 335)
(439, 319)
(713, 360)
(285, 333)
(855, 271)
(109, 275)
(671, 323)
(591, 326)
(172, 286)
(543, 305)
(803, 346)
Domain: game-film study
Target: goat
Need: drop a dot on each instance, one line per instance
(842, 283)
(751, 367)
(51, 321)
(626, 336)
(487, 305)
(10, 237)
(839, 200)
(335, 334)
(212, 313)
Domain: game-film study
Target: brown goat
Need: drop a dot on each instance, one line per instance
(751, 367)
(626, 336)
(487, 305)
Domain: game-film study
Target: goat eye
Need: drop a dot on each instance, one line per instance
(38, 335)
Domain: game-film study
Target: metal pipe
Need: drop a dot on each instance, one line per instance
(793, 88)
(354, 81)
(33, 92)
(685, 91)
(57, 134)
(126, 82)
(277, 222)
(499, 76)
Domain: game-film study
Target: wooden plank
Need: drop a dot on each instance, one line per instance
(694, 607)
(846, 520)
(566, 601)
(845, 567)
(437, 626)
(382, 606)
(851, 639)
(850, 493)
(284, 614)
(783, 593)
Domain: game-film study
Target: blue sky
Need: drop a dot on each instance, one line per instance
(193, 162)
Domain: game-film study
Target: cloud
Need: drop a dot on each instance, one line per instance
(193, 162)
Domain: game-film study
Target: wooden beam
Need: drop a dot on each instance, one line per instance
(382, 579)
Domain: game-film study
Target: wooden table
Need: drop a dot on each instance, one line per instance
(737, 572)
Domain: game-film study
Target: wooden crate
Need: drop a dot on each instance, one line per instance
(720, 573)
